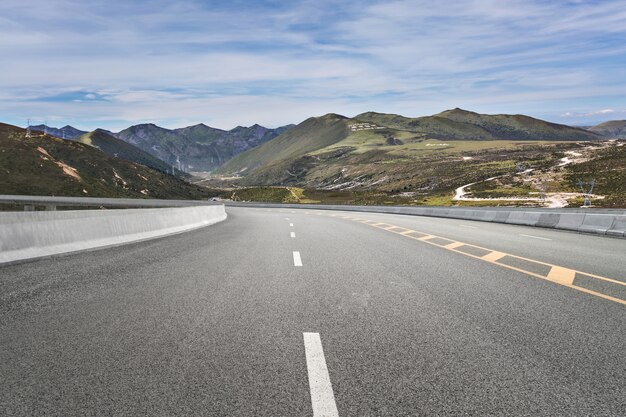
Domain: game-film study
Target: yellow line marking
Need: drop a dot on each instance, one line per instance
(394, 227)
(558, 275)
(493, 256)
(562, 275)
(454, 245)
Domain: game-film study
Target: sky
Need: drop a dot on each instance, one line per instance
(112, 64)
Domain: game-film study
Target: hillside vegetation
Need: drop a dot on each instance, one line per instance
(459, 124)
(46, 165)
(390, 152)
(313, 134)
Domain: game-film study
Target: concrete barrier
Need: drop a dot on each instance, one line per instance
(618, 228)
(596, 223)
(523, 217)
(610, 222)
(32, 235)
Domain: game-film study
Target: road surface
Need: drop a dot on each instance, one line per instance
(303, 312)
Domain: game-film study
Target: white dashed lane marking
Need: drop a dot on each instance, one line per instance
(322, 396)
(297, 260)
(535, 237)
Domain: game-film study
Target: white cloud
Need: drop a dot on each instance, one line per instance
(602, 112)
(177, 61)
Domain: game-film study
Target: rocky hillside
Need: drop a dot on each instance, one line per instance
(198, 147)
(614, 129)
(46, 165)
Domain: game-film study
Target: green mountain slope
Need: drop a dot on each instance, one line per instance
(311, 135)
(393, 153)
(614, 129)
(46, 165)
(458, 124)
(118, 148)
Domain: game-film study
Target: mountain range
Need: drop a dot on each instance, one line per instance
(318, 141)
(199, 147)
(193, 148)
(370, 150)
(46, 165)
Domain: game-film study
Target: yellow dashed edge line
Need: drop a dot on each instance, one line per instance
(558, 274)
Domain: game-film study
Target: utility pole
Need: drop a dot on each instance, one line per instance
(587, 190)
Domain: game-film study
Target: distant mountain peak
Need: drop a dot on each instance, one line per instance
(457, 111)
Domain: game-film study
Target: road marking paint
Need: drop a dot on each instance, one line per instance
(493, 256)
(453, 245)
(292, 234)
(290, 224)
(286, 218)
(534, 237)
(322, 396)
(468, 226)
(562, 275)
(297, 261)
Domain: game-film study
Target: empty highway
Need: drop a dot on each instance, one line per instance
(281, 312)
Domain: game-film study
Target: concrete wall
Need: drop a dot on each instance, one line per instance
(31, 235)
(597, 221)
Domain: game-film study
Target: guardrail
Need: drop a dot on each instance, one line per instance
(610, 222)
(51, 203)
(29, 235)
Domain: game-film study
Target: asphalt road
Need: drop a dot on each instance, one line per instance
(221, 322)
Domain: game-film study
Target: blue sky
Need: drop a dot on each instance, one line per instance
(227, 63)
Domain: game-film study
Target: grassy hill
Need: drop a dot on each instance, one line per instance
(459, 124)
(46, 165)
(311, 135)
(118, 148)
(382, 149)
(391, 159)
(614, 129)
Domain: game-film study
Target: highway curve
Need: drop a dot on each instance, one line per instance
(281, 312)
